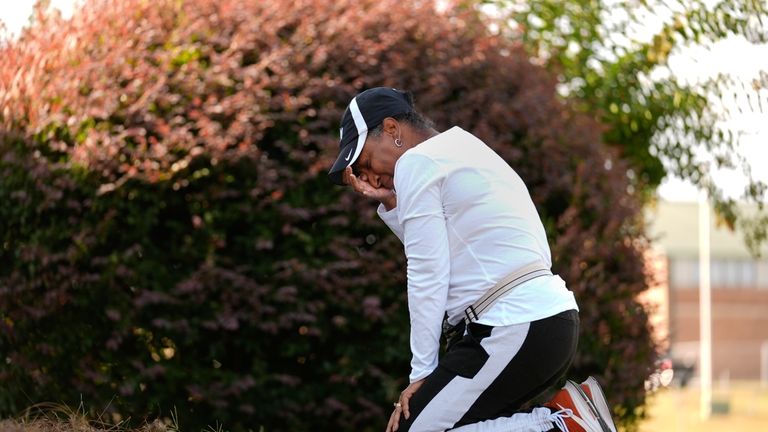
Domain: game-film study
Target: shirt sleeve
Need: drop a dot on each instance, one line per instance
(390, 218)
(421, 216)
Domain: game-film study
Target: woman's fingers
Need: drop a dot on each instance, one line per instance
(405, 397)
(352, 180)
(364, 188)
(394, 420)
(403, 405)
(404, 402)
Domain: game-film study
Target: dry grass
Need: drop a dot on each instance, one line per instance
(60, 418)
(72, 425)
(677, 410)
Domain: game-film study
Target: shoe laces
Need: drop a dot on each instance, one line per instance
(558, 418)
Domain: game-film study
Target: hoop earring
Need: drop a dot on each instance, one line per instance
(398, 142)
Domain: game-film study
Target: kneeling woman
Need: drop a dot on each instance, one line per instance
(477, 254)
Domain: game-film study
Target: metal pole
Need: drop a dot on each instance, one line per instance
(705, 310)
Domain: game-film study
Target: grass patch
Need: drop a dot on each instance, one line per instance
(49, 417)
(677, 410)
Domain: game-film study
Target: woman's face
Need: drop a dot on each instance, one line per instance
(376, 163)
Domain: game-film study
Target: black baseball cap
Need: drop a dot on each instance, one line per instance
(366, 111)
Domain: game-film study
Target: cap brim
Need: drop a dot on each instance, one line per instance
(345, 159)
(348, 154)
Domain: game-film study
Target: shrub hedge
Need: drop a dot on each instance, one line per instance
(170, 240)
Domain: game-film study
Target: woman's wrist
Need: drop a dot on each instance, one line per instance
(390, 201)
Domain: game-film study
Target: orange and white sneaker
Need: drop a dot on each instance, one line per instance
(596, 396)
(572, 411)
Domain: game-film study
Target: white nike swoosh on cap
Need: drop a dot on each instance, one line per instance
(350, 154)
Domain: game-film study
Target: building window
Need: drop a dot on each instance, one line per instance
(684, 273)
(761, 274)
(724, 273)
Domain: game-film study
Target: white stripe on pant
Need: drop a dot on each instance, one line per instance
(455, 399)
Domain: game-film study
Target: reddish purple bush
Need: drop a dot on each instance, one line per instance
(169, 238)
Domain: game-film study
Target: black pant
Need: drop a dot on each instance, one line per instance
(492, 371)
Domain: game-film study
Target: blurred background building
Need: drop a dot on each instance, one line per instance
(739, 284)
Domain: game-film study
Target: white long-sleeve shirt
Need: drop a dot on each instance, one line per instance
(466, 220)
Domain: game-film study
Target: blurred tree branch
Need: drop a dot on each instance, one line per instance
(613, 64)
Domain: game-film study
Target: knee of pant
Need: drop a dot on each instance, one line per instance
(404, 425)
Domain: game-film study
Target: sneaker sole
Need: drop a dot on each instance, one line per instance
(582, 404)
(600, 402)
(590, 406)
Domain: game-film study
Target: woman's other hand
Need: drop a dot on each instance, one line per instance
(385, 196)
(402, 405)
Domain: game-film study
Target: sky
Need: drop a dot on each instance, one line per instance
(734, 56)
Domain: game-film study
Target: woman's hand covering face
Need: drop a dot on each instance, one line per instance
(363, 187)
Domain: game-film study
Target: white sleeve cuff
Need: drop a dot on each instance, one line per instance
(417, 375)
(391, 219)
